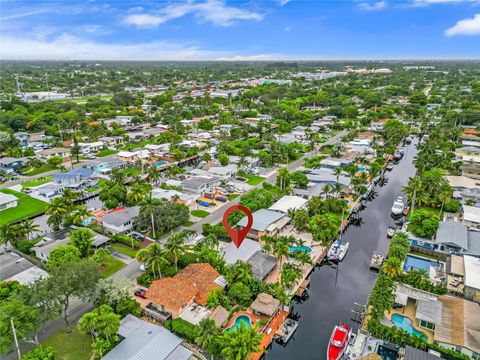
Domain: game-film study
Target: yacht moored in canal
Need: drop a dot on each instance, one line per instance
(390, 231)
(337, 251)
(338, 342)
(377, 261)
(398, 206)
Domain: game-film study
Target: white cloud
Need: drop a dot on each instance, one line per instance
(257, 57)
(375, 6)
(214, 11)
(283, 2)
(24, 14)
(436, 2)
(469, 26)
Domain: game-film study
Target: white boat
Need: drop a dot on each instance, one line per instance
(338, 250)
(398, 206)
(408, 139)
(390, 231)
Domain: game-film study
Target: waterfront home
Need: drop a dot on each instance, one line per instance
(200, 184)
(191, 285)
(120, 221)
(472, 278)
(223, 172)
(266, 304)
(289, 203)
(265, 222)
(471, 216)
(143, 340)
(468, 154)
(471, 170)
(454, 237)
(89, 148)
(8, 164)
(312, 190)
(250, 252)
(132, 156)
(13, 267)
(159, 150)
(7, 201)
(48, 153)
(58, 238)
(326, 176)
(463, 185)
(73, 176)
(459, 328)
(332, 163)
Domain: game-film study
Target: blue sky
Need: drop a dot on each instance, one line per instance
(240, 30)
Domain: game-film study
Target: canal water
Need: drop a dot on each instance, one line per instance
(331, 299)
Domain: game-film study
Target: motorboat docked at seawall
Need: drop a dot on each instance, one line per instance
(286, 331)
(338, 342)
(390, 231)
(377, 261)
(398, 206)
(337, 251)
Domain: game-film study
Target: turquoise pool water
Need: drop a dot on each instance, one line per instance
(306, 249)
(415, 262)
(241, 319)
(362, 169)
(403, 322)
(160, 163)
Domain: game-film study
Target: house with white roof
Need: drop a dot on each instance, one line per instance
(265, 222)
(171, 195)
(7, 201)
(472, 278)
(92, 147)
(223, 172)
(471, 216)
(120, 221)
(289, 203)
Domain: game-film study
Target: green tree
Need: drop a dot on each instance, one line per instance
(205, 332)
(414, 185)
(239, 343)
(62, 255)
(175, 246)
(153, 257)
(128, 306)
(55, 161)
(223, 159)
(82, 239)
(29, 227)
(40, 353)
(148, 206)
(101, 322)
(240, 293)
(392, 267)
(57, 211)
(424, 223)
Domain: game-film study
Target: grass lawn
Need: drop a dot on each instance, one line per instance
(188, 223)
(37, 182)
(111, 266)
(92, 189)
(73, 346)
(124, 249)
(106, 152)
(253, 179)
(40, 170)
(140, 144)
(232, 196)
(200, 213)
(27, 206)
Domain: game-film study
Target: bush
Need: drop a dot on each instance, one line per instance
(184, 328)
(145, 279)
(217, 230)
(40, 353)
(240, 293)
(126, 240)
(187, 259)
(25, 246)
(424, 223)
(452, 207)
(128, 306)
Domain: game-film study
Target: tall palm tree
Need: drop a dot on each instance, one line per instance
(445, 196)
(175, 247)
(29, 227)
(414, 185)
(10, 233)
(57, 210)
(153, 257)
(326, 190)
(137, 192)
(117, 176)
(282, 177)
(393, 267)
(148, 205)
(80, 213)
(205, 332)
(69, 196)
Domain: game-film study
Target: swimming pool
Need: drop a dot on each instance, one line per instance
(362, 169)
(403, 322)
(241, 319)
(160, 163)
(306, 249)
(415, 262)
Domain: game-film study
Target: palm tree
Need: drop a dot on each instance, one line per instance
(282, 177)
(10, 233)
(337, 172)
(392, 267)
(154, 258)
(175, 247)
(117, 176)
(80, 213)
(205, 332)
(327, 188)
(154, 174)
(56, 210)
(137, 193)
(414, 185)
(149, 205)
(239, 343)
(69, 197)
(445, 196)
(29, 227)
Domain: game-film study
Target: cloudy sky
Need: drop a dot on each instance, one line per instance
(239, 30)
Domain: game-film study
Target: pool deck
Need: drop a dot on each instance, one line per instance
(410, 311)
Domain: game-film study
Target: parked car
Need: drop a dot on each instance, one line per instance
(208, 195)
(140, 293)
(221, 198)
(203, 203)
(137, 236)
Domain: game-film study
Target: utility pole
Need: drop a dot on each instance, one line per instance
(15, 338)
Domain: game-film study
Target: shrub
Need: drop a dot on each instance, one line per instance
(40, 353)
(424, 223)
(128, 306)
(145, 279)
(184, 328)
(240, 293)
(25, 246)
(126, 240)
(452, 207)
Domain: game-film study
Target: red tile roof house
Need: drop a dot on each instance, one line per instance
(192, 284)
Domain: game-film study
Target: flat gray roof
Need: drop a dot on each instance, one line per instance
(452, 232)
(262, 264)
(232, 254)
(429, 310)
(262, 219)
(120, 217)
(11, 264)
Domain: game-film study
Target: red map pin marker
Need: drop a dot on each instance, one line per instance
(238, 236)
